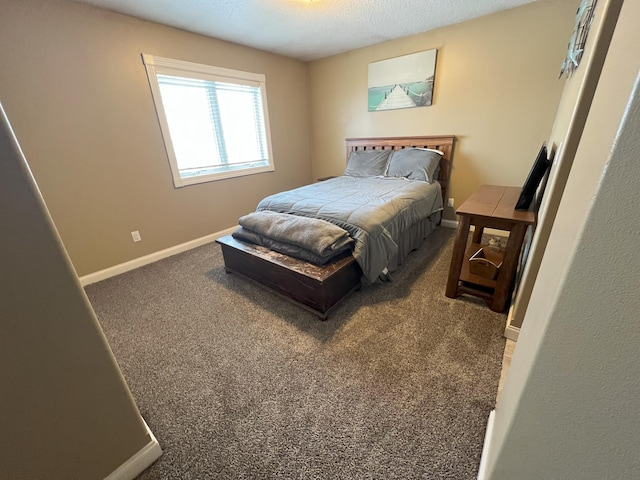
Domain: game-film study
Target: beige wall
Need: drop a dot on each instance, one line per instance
(569, 404)
(496, 89)
(583, 125)
(576, 416)
(73, 83)
(65, 409)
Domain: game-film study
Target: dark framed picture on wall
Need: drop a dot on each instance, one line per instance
(531, 184)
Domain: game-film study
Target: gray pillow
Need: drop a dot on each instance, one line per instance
(367, 163)
(414, 164)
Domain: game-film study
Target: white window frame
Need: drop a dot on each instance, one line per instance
(155, 65)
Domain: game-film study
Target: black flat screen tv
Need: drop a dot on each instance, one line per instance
(533, 180)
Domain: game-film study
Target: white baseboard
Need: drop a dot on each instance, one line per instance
(511, 332)
(482, 471)
(139, 462)
(449, 223)
(488, 231)
(493, 231)
(152, 257)
(183, 247)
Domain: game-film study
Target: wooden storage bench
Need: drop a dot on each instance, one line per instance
(316, 288)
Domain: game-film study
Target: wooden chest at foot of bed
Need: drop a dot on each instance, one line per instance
(316, 288)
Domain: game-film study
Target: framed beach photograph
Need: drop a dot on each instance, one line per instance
(402, 82)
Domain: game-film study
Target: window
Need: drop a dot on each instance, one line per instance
(214, 120)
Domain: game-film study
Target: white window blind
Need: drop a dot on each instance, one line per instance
(213, 120)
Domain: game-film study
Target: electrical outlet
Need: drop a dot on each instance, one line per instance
(136, 236)
(450, 202)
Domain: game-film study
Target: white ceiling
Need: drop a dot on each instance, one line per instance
(307, 29)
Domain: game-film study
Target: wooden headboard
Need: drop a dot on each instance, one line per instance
(443, 143)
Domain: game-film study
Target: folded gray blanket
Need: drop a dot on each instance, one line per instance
(318, 236)
(287, 248)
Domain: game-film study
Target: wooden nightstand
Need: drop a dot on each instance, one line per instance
(490, 206)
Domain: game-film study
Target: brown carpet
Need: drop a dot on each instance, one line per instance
(237, 383)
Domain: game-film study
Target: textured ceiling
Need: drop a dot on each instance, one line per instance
(307, 29)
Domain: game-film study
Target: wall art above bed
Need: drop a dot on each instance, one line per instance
(584, 17)
(402, 82)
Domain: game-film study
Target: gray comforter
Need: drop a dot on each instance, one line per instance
(374, 210)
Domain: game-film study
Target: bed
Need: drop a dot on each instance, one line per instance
(378, 219)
